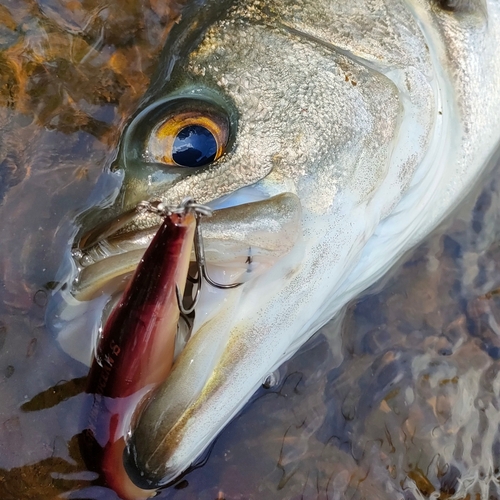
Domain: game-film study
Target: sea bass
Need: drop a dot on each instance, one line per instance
(329, 137)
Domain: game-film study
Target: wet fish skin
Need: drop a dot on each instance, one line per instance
(379, 115)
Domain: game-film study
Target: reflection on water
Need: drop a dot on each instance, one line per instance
(408, 409)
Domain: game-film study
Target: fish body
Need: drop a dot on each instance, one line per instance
(350, 128)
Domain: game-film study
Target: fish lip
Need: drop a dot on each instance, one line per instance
(113, 227)
(131, 232)
(118, 224)
(141, 480)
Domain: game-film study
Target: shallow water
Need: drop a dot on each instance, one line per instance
(407, 409)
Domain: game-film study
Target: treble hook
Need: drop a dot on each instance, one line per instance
(202, 272)
(188, 204)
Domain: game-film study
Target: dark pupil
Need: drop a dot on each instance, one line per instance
(194, 146)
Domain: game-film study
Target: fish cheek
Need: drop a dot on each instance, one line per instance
(307, 114)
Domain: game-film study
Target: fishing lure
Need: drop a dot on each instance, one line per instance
(136, 347)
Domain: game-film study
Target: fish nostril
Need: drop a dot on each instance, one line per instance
(459, 6)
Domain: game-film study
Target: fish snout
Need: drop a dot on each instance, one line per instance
(150, 474)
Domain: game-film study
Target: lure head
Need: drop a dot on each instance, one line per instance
(324, 135)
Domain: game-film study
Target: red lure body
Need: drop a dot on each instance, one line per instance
(135, 351)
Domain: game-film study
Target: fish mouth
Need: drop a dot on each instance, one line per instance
(243, 243)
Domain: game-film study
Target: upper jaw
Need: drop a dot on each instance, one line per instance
(239, 239)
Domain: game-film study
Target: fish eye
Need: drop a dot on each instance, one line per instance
(189, 138)
(194, 146)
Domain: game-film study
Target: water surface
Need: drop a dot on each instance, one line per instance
(407, 405)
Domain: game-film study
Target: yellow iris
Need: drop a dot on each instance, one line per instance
(162, 139)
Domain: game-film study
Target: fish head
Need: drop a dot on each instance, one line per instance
(319, 133)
